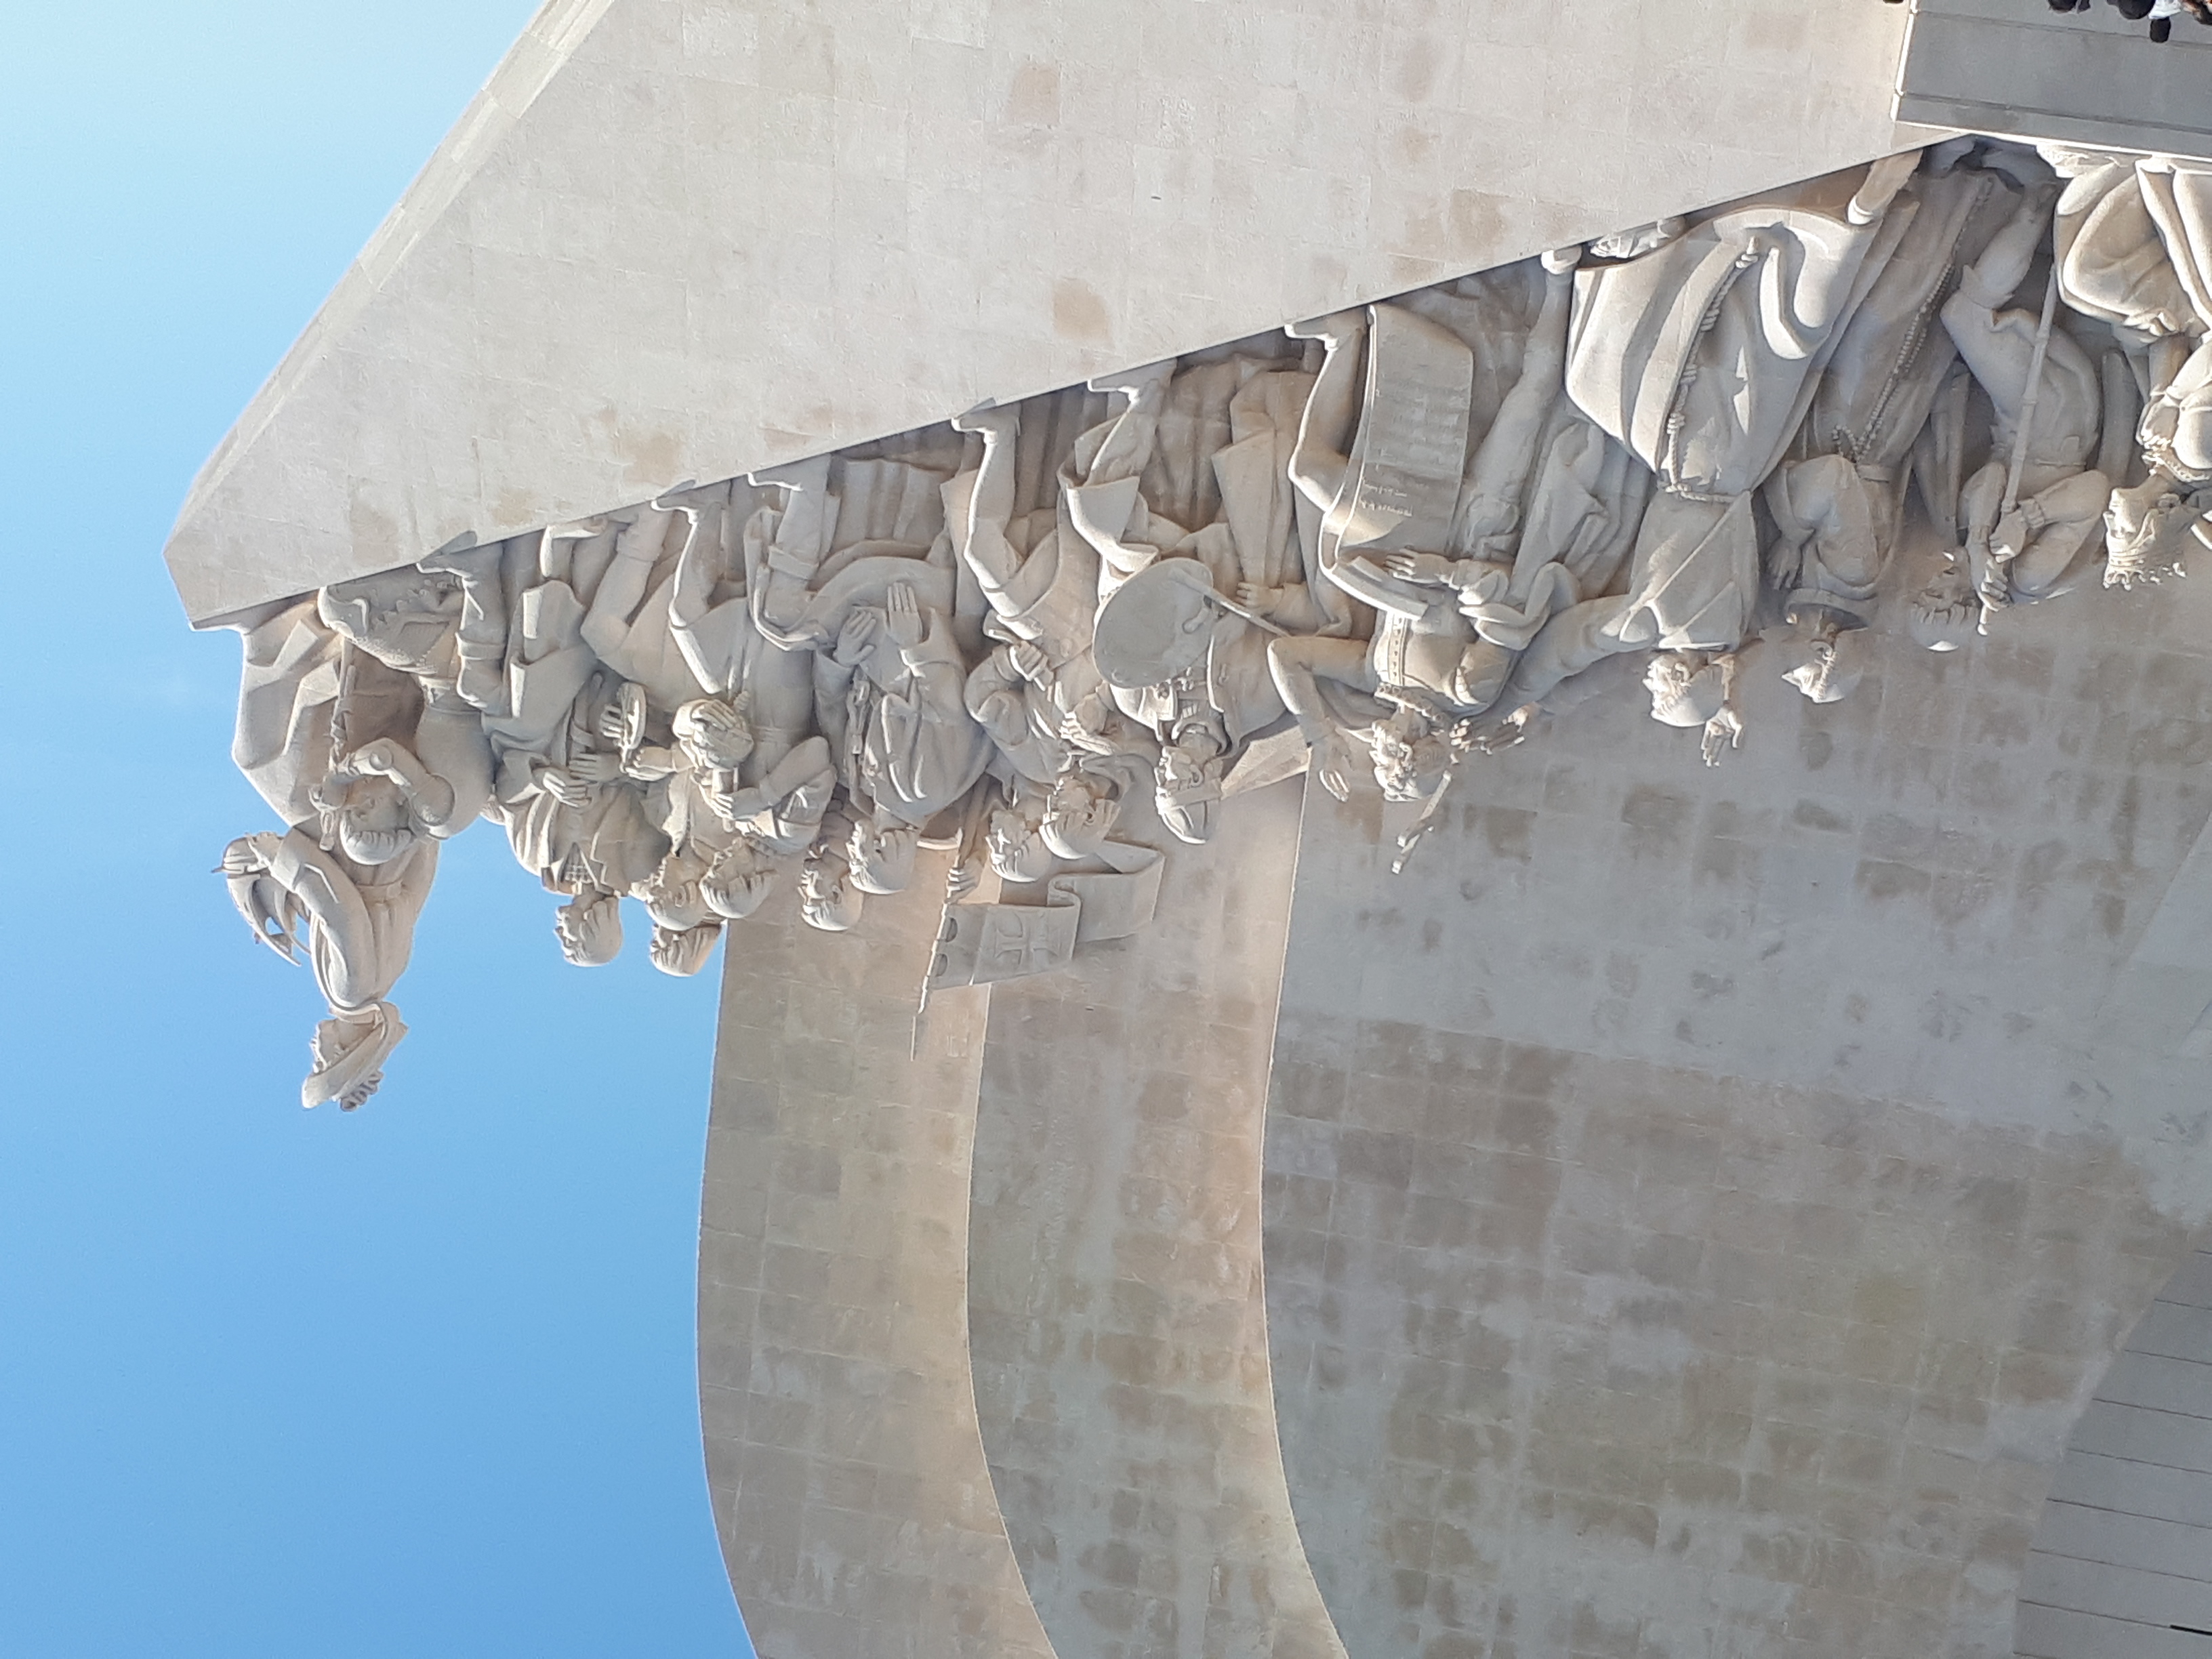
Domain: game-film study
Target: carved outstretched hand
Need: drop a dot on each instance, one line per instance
(1723, 732)
(1134, 383)
(967, 875)
(858, 637)
(902, 616)
(987, 418)
(1332, 761)
(1512, 730)
(595, 768)
(1883, 180)
(250, 855)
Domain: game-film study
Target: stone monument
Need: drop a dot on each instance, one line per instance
(1515, 967)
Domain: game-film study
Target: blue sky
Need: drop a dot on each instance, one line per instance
(419, 1381)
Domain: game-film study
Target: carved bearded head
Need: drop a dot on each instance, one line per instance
(739, 883)
(1410, 757)
(370, 819)
(828, 898)
(683, 952)
(1687, 690)
(2148, 529)
(589, 927)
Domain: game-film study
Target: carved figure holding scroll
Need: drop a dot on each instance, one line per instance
(1428, 656)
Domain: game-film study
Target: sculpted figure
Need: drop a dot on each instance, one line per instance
(2050, 539)
(576, 819)
(288, 691)
(1040, 578)
(409, 620)
(1701, 355)
(1836, 513)
(1182, 659)
(1428, 657)
(2134, 241)
(359, 926)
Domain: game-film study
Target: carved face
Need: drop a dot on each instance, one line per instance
(1942, 615)
(882, 855)
(1078, 815)
(373, 821)
(589, 927)
(2146, 530)
(1017, 848)
(1683, 691)
(1409, 760)
(672, 895)
(739, 883)
(683, 951)
(827, 898)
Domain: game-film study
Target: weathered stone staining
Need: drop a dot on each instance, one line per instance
(1399, 531)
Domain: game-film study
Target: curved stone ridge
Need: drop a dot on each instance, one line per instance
(849, 1485)
(1115, 1306)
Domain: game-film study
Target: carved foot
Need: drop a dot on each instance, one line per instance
(990, 420)
(1134, 383)
(1337, 328)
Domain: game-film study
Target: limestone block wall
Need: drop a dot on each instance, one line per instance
(850, 1491)
(686, 238)
(1701, 1204)
(1114, 1297)
(2121, 1567)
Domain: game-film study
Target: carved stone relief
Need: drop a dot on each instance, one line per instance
(1395, 534)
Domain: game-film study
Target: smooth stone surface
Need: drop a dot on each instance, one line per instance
(2124, 1552)
(2091, 77)
(689, 237)
(855, 1512)
(1115, 1308)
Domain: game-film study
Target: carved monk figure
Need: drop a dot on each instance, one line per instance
(1040, 578)
(1194, 471)
(288, 691)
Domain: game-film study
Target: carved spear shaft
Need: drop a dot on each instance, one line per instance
(2027, 419)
